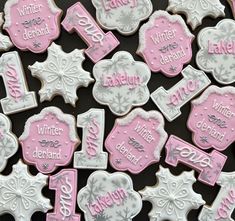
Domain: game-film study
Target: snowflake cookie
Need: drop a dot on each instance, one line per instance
(61, 74)
(124, 15)
(20, 193)
(121, 83)
(8, 141)
(5, 42)
(109, 197)
(196, 10)
(173, 197)
(217, 51)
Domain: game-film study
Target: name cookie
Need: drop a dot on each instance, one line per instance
(20, 193)
(8, 141)
(18, 98)
(173, 196)
(170, 102)
(195, 11)
(32, 25)
(109, 196)
(209, 166)
(99, 43)
(165, 43)
(217, 50)
(61, 74)
(224, 203)
(49, 139)
(92, 155)
(122, 15)
(5, 42)
(136, 140)
(121, 83)
(212, 118)
(65, 185)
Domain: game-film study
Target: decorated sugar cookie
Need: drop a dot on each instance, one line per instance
(109, 196)
(18, 98)
(136, 140)
(209, 165)
(5, 42)
(49, 139)
(61, 74)
(217, 51)
(170, 101)
(99, 43)
(124, 15)
(197, 10)
(165, 43)
(20, 193)
(32, 24)
(224, 203)
(121, 83)
(232, 4)
(8, 141)
(212, 118)
(92, 155)
(173, 197)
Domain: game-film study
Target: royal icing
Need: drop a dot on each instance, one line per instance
(165, 43)
(61, 74)
(20, 193)
(109, 196)
(92, 155)
(18, 98)
(136, 140)
(8, 141)
(121, 83)
(209, 166)
(170, 102)
(32, 24)
(99, 43)
(224, 203)
(217, 50)
(197, 10)
(65, 185)
(212, 119)
(49, 139)
(232, 4)
(122, 15)
(5, 42)
(173, 197)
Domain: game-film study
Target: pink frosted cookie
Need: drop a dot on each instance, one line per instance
(232, 4)
(49, 139)
(20, 193)
(173, 196)
(122, 15)
(136, 140)
(99, 43)
(32, 24)
(212, 118)
(18, 98)
(209, 166)
(65, 185)
(109, 196)
(5, 42)
(165, 43)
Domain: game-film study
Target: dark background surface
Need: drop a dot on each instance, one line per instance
(86, 101)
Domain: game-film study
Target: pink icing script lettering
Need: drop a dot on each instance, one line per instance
(222, 47)
(112, 4)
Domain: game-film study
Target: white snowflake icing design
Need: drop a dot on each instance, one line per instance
(8, 141)
(61, 74)
(197, 10)
(20, 193)
(5, 42)
(173, 197)
(124, 18)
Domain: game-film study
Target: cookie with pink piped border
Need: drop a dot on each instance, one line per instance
(49, 139)
(212, 118)
(136, 140)
(5, 42)
(165, 43)
(32, 24)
